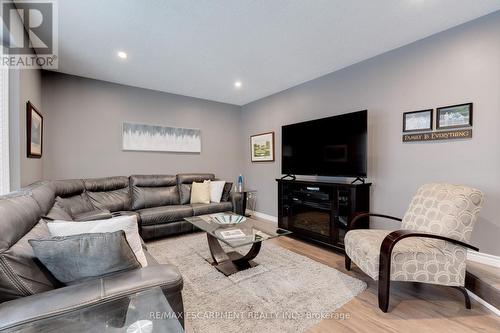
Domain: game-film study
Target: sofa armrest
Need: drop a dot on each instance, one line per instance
(64, 300)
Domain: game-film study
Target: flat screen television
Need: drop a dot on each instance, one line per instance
(334, 146)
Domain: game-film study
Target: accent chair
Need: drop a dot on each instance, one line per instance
(431, 246)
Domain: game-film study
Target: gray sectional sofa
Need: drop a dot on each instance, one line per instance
(160, 202)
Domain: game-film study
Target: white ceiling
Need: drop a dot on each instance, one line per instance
(201, 47)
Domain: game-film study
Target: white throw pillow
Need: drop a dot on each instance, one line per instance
(200, 193)
(126, 223)
(216, 189)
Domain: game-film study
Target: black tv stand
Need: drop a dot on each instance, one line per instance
(362, 180)
(292, 177)
(321, 211)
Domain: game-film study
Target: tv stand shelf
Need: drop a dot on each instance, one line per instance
(321, 211)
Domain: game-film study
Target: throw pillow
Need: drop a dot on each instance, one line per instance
(200, 193)
(76, 258)
(227, 191)
(126, 223)
(216, 189)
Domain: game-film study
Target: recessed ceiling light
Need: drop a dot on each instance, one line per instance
(237, 84)
(122, 54)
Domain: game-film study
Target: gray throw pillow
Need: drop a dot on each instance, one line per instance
(76, 258)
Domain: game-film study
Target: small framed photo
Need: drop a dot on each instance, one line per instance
(262, 147)
(34, 131)
(416, 121)
(454, 116)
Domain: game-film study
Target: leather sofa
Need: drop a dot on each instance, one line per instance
(28, 292)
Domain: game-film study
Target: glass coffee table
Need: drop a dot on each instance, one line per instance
(143, 312)
(247, 231)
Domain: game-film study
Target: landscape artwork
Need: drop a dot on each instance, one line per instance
(417, 121)
(262, 147)
(454, 116)
(143, 137)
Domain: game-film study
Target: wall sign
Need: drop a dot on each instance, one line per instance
(434, 136)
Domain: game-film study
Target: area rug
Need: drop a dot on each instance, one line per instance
(287, 292)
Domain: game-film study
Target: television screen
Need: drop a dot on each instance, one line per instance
(333, 146)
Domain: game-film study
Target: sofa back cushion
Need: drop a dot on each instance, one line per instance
(71, 196)
(149, 191)
(184, 181)
(110, 193)
(20, 275)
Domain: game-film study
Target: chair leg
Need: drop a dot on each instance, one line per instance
(384, 279)
(466, 295)
(347, 263)
(383, 294)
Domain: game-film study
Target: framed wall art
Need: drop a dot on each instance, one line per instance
(262, 147)
(417, 121)
(34, 131)
(454, 116)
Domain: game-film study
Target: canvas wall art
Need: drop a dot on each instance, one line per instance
(144, 137)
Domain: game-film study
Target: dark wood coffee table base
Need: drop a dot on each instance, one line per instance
(231, 262)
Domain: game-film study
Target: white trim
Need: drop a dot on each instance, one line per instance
(264, 216)
(484, 303)
(483, 258)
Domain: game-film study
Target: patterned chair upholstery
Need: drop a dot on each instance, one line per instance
(444, 215)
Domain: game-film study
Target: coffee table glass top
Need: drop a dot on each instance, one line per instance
(235, 235)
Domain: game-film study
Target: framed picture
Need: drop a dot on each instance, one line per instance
(34, 130)
(417, 121)
(454, 116)
(262, 147)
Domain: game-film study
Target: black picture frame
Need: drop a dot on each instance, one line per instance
(34, 132)
(442, 109)
(431, 120)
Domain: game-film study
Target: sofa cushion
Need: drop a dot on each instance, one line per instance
(76, 204)
(57, 212)
(20, 275)
(226, 192)
(202, 209)
(77, 258)
(185, 180)
(153, 191)
(164, 214)
(111, 193)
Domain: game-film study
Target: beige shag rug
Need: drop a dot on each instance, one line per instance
(287, 292)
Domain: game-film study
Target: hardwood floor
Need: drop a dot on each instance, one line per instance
(413, 307)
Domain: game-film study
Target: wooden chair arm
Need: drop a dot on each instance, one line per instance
(394, 237)
(358, 216)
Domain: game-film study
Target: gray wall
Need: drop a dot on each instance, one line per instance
(83, 119)
(24, 85)
(459, 65)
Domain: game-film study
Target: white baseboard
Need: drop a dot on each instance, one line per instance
(264, 216)
(483, 258)
(484, 303)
